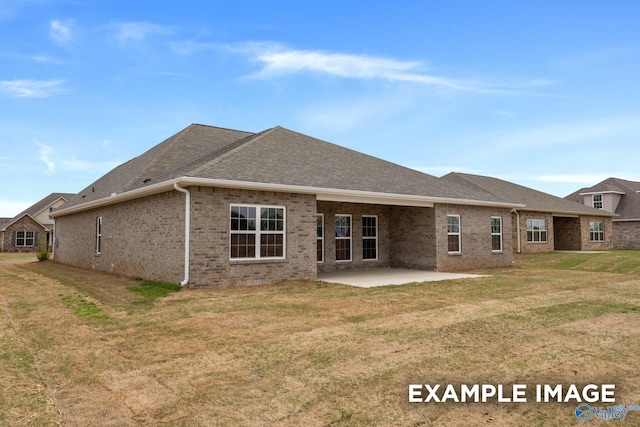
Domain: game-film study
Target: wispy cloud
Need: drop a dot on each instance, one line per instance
(44, 154)
(61, 31)
(30, 88)
(46, 59)
(188, 47)
(126, 32)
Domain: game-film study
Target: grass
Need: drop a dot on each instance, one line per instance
(78, 346)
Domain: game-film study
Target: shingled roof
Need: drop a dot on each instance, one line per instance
(276, 156)
(36, 208)
(534, 200)
(629, 206)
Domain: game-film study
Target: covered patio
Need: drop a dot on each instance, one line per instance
(372, 277)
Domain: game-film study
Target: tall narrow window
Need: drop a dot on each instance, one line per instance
(257, 232)
(343, 237)
(320, 238)
(369, 237)
(99, 235)
(496, 234)
(453, 233)
(536, 230)
(597, 201)
(596, 231)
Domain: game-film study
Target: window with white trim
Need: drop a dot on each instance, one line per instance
(257, 232)
(99, 235)
(597, 201)
(453, 234)
(343, 237)
(596, 231)
(369, 237)
(320, 238)
(536, 230)
(496, 234)
(25, 238)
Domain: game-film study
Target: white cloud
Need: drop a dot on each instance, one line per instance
(187, 47)
(61, 31)
(280, 60)
(44, 154)
(126, 32)
(30, 88)
(46, 59)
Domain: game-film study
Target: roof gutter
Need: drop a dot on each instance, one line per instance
(187, 230)
(324, 194)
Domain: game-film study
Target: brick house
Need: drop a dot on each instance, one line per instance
(24, 232)
(219, 207)
(546, 222)
(617, 196)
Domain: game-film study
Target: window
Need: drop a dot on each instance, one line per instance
(343, 237)
(596, 231)
(99, 235)
(369, 237)
(320, 237)
(453, 233)
(496, 234)
(597, 201)
(257, 232)
(536, 230)
(25, 238)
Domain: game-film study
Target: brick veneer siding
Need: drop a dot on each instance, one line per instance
(412, 237)
(587, 244)
(567, 234)
(210, 240)
(140, 238)
(626, 234)
(475, 226)
(527, 247)
(25, 223)
(356, 210)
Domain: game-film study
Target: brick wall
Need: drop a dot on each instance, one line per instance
(356, 210)
(626, 234)
(210, 240)
(140, 238)
(475, 229)
(587, 244)
(567, 234)
(526, 246)
(23, 224)
(413, 241)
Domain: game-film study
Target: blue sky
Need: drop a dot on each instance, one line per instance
(544, 94)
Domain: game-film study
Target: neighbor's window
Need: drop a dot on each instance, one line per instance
(98, 235)
(257, 232)
(343, 237)
(536, 230)
(369, 237)
(25, 238)
(596, 231)
(496, 234)
(453, 233)
(320, 237)
(597, 201)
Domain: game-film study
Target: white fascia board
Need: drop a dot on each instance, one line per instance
(323, 194)
(570, 213)
(590, 193)
(627, 220)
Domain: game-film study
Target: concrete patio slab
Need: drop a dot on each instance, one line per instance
(373, 277)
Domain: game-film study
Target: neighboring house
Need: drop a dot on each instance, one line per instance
(24, 232)
(547, 222)
(219, 207)
(618, 196)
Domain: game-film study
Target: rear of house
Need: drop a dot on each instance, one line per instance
(219, 207)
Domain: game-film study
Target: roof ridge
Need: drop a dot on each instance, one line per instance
(232, 148)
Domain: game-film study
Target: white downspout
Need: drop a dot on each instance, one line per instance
(53, 241)
(517, 226)
(187, 229)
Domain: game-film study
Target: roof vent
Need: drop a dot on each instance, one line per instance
(146, 180)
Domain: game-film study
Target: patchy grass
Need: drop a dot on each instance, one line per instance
(83, 308)
(312, 353)
(152, 290)
(17, 257)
